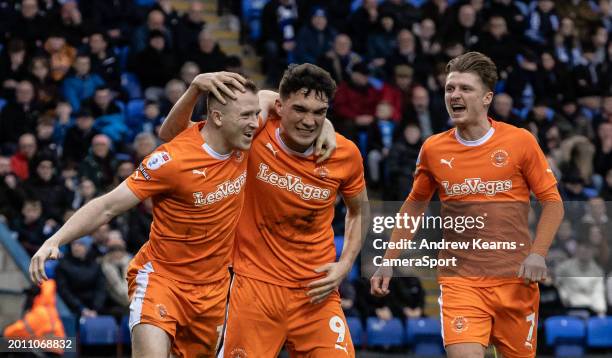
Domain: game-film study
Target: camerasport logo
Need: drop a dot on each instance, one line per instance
(474, 186)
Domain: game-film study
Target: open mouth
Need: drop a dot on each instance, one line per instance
(458, 108)
(305, 131)
(248, 135)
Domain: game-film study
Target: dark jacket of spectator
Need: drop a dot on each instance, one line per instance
(17, 119)
(313, 43)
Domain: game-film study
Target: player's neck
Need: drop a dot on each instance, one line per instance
(474, 131)
(291, 144)
(215, 140)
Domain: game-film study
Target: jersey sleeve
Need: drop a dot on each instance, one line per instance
(424, 184)
(354, 183)
(538, 175)
(154, 175)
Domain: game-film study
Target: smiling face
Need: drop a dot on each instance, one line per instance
(467, 98)
(303, 113)
(237, 120)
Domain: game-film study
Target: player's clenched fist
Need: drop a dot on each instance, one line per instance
(379, 283)
(216, 83)
(48, 251)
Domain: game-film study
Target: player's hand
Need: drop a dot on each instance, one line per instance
(216, 83)
(379, 283)
(48, 251)
(533, 269)
(326, 142)
(320, 289)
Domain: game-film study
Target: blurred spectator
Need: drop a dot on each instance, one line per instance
(171, 15)
(600, 245)
(603, 153)
(136, 225)
(437, 10)
(103, 60)
(19, 116)
(60, 53)
(46, 90)
(427, 37)
(552, 81)
(340, 59)
(82, 84)
(155, 24)
(26, 149)
(406, 54)
(44, 136)
(144, 144)
(497, 43)
(550, 301)
(78, 137)
(465, 29)
(207, 54)
(70, 22)
(172, 92)
(30, 24)
(363, 22)
(382, 42)
(189, 71)
(99, 244)
(233, 63)
(63, 121)
(12, 65)
(45, 185)
(577, 158)
(567, 43)
(279, 24)
(399, 91)
(401, 162)
(596, 212)
(502, 110)
(543, 116)
(189, 27)
(10, 199)
(80, 282)
(314, 38)
(117, 18)
(149, 122)
(420, 110)
(408, 297)
(109, 118)
(355, 102)
(31, 228)
(124, 170)
(154, 64)
(114, 267)
(406, 13)
(606, 191)
(543, 23)
(100, 164)
(581, 12)
(84, 194)
(581, 282)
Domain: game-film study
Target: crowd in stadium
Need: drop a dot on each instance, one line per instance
(86, 85)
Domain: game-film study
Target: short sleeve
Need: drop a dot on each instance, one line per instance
(354, 183)
(424, 185)
(154, 175)
(534, 166)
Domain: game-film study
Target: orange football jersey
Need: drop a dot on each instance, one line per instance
(285, 231)
(491, 177)
(197, 197)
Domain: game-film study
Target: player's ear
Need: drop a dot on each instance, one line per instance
(216, 117)
(488, 98)
(278, 105)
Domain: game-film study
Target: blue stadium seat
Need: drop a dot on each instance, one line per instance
(2, 103)
(124, 330)
(422, 328)
(101, 330)
(384, 333)
(599, 332)
(564, 330)
(135, 108)
(356, 330)
(569, 350)
(354, 273)
(50, 266)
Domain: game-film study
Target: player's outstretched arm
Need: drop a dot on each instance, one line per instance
(88, 218)
(216, 83)
(358, 211)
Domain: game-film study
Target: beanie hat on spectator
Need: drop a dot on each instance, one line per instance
(361, 67)
(319, 11)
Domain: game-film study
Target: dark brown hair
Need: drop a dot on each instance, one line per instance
(308, 76)
(476, 63)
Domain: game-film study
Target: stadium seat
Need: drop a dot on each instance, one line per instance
(354, 273)
(423, 330)
(564, 330)
(101, 330)
(356, 330)
(599, 332)
(124, 330)
(384, 333)
(2, 103)
(569, 350)
(50, 266)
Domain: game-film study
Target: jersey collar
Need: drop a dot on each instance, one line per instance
(288, 150)
(477, 142)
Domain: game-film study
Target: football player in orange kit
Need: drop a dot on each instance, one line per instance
(286, 277)
(482, 161)
(178, 281)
